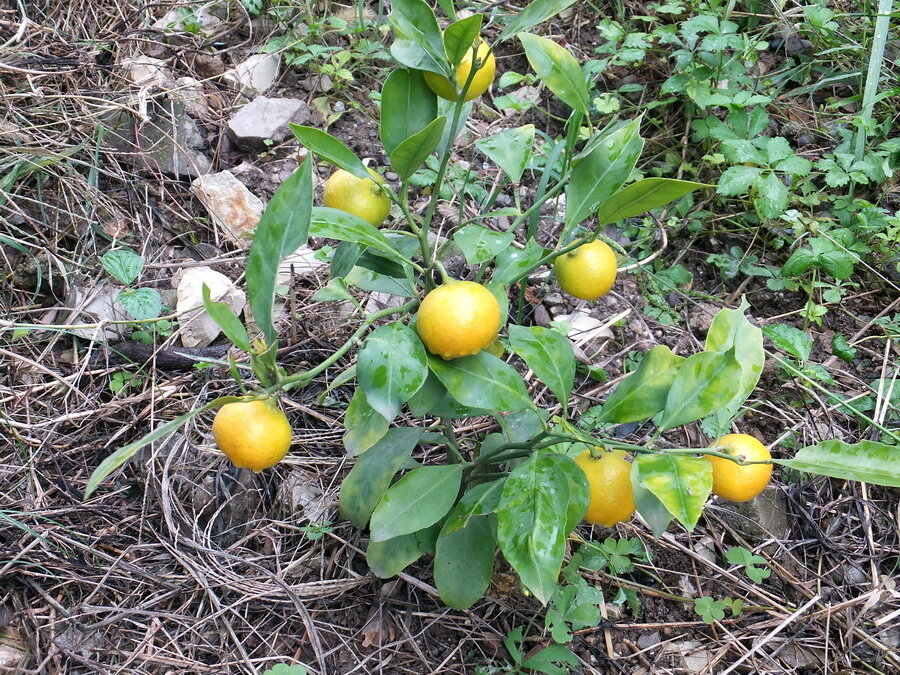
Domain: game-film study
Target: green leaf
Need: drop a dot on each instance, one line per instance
(545, 660)
(330, 149)
(703, 383)
(644, 195)
(731, 329)
(410, 155)
(737, 180)
(459, 36)
(416, 501)
(579, 490)
(643, 393)
(281, 668)
(510, 149)
(513, 263)
(124, 265)
(140, 303)
(464, 560)
(772, 196)
(649, 506)
(388, 558)
(283, 228)
(479, 244)
(434, 399)
(227, 320)
(799, 263)
(482, 381)
(481, 500)
(369, 479)
(126, 452)
(842, 349)
(414, 20)
(365, 426)
(391, 367)
(866, 461)
(531, 525)
(534, 13)
(558, 69)
(336, 224)
(549, 354)
(407, 106)
(791, 340)
(600, 173)
(682, 483)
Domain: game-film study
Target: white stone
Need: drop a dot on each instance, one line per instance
(584, 328)
(266, 120)
(301, 263)
(255, 75)
(180, 19)
(95, 304)
(145, 71)
(190, 92)
(196, 328)
(234, 209)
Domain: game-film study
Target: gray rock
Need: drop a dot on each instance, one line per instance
(234, 209)
(266, 120)
(167, 141)
(255, 75)
(763, 517)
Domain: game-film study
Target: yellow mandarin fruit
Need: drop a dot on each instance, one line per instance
(482, 79)
(735, 482)
(458, 319)
(587, 272)
(360, 196)
(609, 478)
(254, 435)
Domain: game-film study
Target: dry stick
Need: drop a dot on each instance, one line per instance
(784, 624)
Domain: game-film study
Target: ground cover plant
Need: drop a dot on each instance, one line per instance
(478, 433)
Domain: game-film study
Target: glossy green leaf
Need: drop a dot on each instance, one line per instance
(414, 20)
(365, 427)
(643, 393)
(534, 13)
(459, 36)
(642, 196)
(479, 244)
(391, 367)
(602, 171)
(681, 482)
(434, 399)
(866, 461)
(411, 54)
(336, 224)
(369, 479)
(703, 383)
(558, 69)
(579, 490)
(416, 501)
(510, 150)
(731, 329)
(648, 505)
(481, 500)
(531, 525)
(482, 381)
(388, 558)
(227, 320)
(407, 106)
(513, 263)
(464, 561)
(330, 149)
(283, 228)
(410, 155)
(382, 283)
(549, 354)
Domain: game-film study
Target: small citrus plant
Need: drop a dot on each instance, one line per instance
(457, 319)
(736, 482)
(609, 477)
(588, 272)
(481, 80)
(254, 435)
(360, 196)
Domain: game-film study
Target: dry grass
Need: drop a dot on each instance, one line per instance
(182, 564)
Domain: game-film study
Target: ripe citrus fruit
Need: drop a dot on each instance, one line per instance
(482, 79)
(587, 272)
(458, 319)
(360, 196)
(253, 434)
(610, 480)
(735, 482)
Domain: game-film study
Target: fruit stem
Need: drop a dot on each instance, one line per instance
(287, 383)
